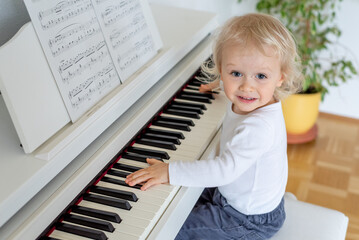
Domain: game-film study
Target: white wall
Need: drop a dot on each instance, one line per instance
(342, 100)
(224, 8)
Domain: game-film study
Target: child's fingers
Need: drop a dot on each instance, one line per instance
(139, 179)
(134, 176)
(152, 161)
(150, 183)
(204, 88)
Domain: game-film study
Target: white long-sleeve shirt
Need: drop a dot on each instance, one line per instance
(251, 170)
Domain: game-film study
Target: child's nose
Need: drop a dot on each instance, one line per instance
(246, 85)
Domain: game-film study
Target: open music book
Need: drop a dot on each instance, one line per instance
(35, 102)
(92, 46)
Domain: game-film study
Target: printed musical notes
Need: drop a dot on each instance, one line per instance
(76, 50)
(92, 44)
(63, 11)
(128, 33)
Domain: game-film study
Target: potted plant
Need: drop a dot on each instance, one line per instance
(312, 23)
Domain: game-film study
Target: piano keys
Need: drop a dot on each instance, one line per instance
(35, 191)
(138, 209)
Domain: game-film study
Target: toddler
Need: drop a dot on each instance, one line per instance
(256, 61)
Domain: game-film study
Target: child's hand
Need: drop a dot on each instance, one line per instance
(205, 88)
(156, 173)
(209, 86)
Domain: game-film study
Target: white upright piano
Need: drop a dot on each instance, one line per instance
(70, 186)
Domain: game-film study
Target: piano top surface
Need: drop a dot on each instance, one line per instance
(23, 175)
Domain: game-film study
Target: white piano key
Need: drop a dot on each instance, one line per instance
(191, 146)
(128, 231)
(171, 153)
(128, 221)
(206, 119)
(142, 204)
(142, 217)
(133, 162)
(66, 236)
(161, 193)
(140, 194)
(192, 137)
(140, 209)
(125, 226)
(217, 105)
(161, 187)
(139, 221)
(155, 191)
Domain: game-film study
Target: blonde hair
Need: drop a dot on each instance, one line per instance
(260, 30)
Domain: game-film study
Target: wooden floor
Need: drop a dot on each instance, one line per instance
(326, 171)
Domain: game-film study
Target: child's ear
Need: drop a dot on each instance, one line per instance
(281, 80)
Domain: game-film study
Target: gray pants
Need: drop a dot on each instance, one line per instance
(213, 218)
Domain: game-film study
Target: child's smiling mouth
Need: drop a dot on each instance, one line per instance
(246, 99)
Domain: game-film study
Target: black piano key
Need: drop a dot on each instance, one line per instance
(119, 182)
(182, 113)
(172, 125)
(138, 157)
(126, 167)
(195, 80)
(186, 108)
(166, 132)
(97, 213)
(200, 94)
(121, 194)
(195, 83)
(162, 137)
(156, 143)
(192, 88)
(149, 152)
(194, 98)
(189, 122)
(118, 173)
(197, 105)
(109, 201)
(81, 231)
(89, 222)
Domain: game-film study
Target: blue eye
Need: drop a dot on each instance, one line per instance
(236, 74)
(261, 76)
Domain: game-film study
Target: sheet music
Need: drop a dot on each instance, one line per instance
(76, 50)
(127, 33)
(92, 44)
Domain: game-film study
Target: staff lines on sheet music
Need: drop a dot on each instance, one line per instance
(120, 36)
(93, 55)
(128, 36)
(113, 8)
(81, 8)
(108, 19)
(81, 38)
(74, 92)
(80, 34)
(92, 85)
(139, 18)
(133, 55)
(58, 8)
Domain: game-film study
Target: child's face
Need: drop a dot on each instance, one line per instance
(249, 77)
